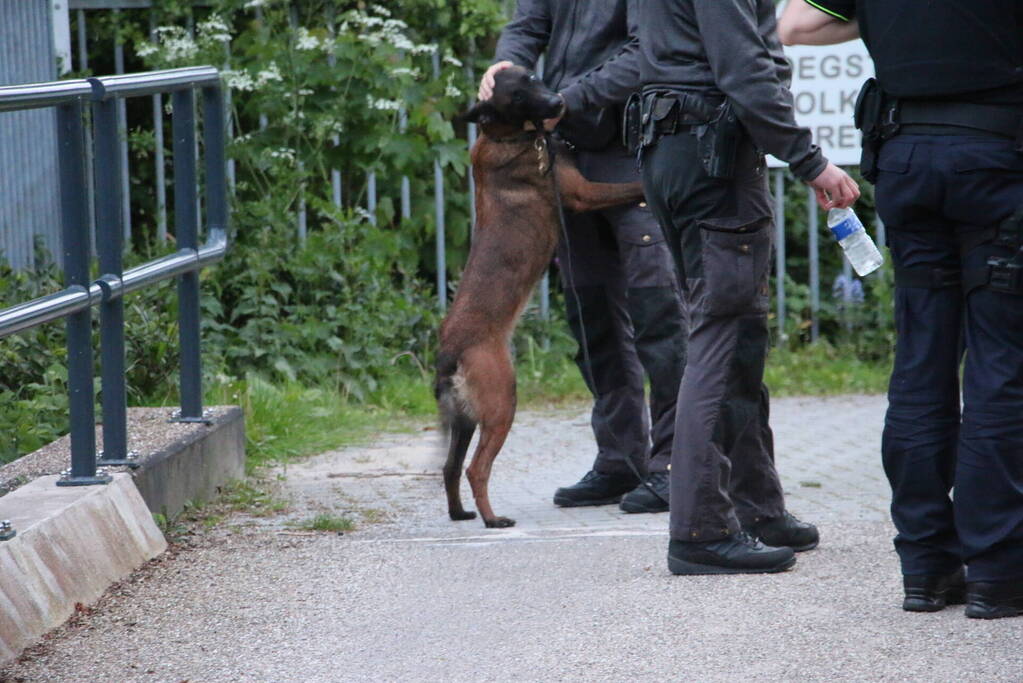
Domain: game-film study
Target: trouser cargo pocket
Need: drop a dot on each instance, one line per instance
(736, 254)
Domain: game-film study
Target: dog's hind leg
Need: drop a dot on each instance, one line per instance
(462, 429)
(492, 379)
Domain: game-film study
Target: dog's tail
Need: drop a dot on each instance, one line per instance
(458, 424)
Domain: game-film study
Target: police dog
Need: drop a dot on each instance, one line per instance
(518, 224)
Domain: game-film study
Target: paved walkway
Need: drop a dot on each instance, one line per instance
(567, 594)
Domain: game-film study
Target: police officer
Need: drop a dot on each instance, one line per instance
(715, 97)
(622, 297)
(943, 142)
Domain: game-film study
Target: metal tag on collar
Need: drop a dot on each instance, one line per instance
(543, 157)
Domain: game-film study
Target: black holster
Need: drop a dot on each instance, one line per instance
(876, 117)
(718, 142)
(632, 123)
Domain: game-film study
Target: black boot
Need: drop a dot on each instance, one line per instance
(739, 553)
(595, 488)
(930, 593)
(785, 531)
(994, 599)
(650, 496)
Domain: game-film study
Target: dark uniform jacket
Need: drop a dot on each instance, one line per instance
(967, 50)
(730, 48)
(591, 58)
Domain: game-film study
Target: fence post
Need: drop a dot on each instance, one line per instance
(122, 134)
(110, 248)
(187, 234)
(779, 249)
(74, 227)
(83, 65)
(815, 276)
(215, 138)
(159, 163)
(438, 202)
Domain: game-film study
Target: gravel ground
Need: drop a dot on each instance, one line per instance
(578, 595)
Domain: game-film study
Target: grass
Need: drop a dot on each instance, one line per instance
(821, 369)
(327, 522)
(287, 421)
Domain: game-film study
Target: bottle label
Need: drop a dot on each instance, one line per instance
(845, 228)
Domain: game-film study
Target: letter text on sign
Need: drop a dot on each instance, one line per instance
(826, 80)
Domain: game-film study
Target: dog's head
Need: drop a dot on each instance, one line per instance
(519, 96)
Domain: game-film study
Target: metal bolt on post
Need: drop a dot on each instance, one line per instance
(7, 531)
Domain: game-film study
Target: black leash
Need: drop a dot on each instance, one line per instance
(545, 164)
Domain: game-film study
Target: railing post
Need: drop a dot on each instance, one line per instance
(110, 248)
(74, 228)
(187, 234)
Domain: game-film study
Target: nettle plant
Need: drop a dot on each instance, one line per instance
(317, 87)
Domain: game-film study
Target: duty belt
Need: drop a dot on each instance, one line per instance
(1003, 121)
(671, 110)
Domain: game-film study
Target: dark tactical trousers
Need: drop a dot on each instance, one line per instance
(631, 307)
(931, 192)
(720, 232)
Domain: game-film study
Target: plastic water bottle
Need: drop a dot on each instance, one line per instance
(854, 240)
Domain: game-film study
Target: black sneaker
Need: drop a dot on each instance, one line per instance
(786, 531)
(643, 499)
(994, 599)
(739, 553)
(932, 592)
(595, 488)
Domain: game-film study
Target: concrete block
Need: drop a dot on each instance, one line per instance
(194, 467)
(72, 543)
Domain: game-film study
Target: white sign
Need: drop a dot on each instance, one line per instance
(826, 80)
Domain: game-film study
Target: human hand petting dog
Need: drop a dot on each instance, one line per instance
(834, 188)
(486, 91)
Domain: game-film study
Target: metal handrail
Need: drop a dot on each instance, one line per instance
(76, 301)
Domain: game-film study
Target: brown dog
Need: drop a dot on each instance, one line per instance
(517, 228)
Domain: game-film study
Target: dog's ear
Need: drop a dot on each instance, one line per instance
(481, 112)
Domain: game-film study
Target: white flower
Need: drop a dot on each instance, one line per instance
(270, 73)
(215, 29)
(363, 214)
(424, 49)
(382, 104)
(252, 4)
(284, 154)
(451, 59)
(452, 91)
(306, 40)
(146, 49)
(405, 71)
(401, 42)
(306, 91)
(239, 80)
(175, 43)
(381, 10)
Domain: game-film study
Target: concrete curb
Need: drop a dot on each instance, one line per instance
(72, 544)
(194, 467)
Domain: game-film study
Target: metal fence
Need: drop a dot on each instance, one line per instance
(76, 144)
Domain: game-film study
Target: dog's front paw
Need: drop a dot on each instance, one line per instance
(499, 522)
(462, 516)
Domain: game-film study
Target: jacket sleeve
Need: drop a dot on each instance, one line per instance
(526, 35)
(747, 74)
(613, 81)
